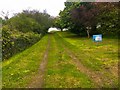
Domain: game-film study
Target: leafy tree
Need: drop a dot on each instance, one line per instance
(81, 17)
(44, 19)
(85, 15)
(23, 30)
(65, 20)
(108, 17)
(58, 23)
(23, 24)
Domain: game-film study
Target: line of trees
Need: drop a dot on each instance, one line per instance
(88, 18)
(82, 18)
(23, 30)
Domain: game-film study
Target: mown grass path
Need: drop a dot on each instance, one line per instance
(101, 79)
(62, 72)
(62, 60)
(38, 80)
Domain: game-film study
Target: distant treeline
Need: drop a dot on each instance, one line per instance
(23, 30)
(88, 18)
(82, 18)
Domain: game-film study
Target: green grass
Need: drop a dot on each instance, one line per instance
(99, 57)
(18, 70)
(89, 51)
(61, 71)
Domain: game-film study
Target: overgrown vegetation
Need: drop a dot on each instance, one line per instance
(88, 18)
(23, 30)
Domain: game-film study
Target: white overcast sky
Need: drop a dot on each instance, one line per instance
(53, 7)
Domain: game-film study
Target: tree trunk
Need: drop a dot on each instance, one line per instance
(88, 33)
(61, 30)
(94, 31)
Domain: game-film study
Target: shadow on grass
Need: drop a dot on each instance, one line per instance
(72, 36)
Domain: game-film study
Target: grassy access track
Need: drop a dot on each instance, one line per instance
(19, 70)
(61, 71)
(63, 60)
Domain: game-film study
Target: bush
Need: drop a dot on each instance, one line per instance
(23, 30)
(14, 43)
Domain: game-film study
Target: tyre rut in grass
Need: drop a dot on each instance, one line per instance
(38, 80)
(100, 79)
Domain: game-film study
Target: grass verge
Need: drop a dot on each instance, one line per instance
(18, 70)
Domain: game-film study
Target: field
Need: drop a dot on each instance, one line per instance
(64, 60)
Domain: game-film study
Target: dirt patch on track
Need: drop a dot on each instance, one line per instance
(97, 77)
(103, 78)
(38, 80)
(83, 69)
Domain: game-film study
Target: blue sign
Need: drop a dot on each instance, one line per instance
(97, 38)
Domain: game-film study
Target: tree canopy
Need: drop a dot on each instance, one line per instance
(88, 18)
(23, 30)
